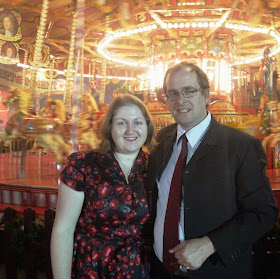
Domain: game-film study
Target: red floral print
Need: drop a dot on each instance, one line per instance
(107, 238)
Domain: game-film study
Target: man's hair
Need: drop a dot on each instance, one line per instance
(107, 144)
(202, 78)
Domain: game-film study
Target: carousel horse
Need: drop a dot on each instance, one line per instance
(46, 128)
(63, 134)
(54, 108)
(81, 130)
(18, 104)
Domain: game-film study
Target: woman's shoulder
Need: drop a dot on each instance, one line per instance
(83, 156)
(75, 156)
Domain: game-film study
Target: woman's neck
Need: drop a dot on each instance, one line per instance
(126, 161)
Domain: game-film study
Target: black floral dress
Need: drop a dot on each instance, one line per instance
(107, 237)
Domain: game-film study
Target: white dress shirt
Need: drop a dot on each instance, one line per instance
(194, 136)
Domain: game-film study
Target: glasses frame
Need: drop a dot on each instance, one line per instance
(182, 92)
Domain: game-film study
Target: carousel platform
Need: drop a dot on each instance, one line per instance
(28, 180)
(32, 179)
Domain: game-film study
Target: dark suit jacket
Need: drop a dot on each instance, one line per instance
(227, 196)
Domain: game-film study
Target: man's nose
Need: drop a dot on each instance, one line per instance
(181, 98)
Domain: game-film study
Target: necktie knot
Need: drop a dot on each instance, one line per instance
(184, 149)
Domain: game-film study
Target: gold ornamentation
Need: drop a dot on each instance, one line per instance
(70, 65)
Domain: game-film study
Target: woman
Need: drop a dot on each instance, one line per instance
(101, 203)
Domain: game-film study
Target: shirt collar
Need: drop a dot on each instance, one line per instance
(195, 133)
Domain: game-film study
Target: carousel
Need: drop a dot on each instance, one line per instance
(62, 63)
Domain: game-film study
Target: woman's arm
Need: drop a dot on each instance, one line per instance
(68, 209)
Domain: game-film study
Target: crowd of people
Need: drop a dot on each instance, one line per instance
(188, 203)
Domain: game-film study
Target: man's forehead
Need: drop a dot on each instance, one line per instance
(186, 70)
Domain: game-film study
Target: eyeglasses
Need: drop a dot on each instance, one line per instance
(187, 93)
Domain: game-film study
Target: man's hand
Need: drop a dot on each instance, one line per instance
(192, 253)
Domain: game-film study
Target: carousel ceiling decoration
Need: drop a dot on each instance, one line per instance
(10, 34)
(10, 25)
(139, 33)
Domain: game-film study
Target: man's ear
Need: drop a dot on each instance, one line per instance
(207, 95)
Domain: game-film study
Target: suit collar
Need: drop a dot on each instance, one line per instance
(209, 142)
(167, 138)
(170, 133)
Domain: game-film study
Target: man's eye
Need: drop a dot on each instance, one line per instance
(138, 122)
(189, 91)
(172, 93)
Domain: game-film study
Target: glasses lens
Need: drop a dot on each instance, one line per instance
(189, 93)
(172, 95)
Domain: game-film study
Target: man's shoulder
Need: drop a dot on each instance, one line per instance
(169, 130)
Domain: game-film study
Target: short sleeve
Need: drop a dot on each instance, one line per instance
(73, 174)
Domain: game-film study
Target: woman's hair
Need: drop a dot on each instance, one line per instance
(202, 78)
(107, 144)
(5, 47)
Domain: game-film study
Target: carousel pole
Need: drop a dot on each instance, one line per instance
(51, 78)
(103, 70)
(93, 69)
(103, 81)
(78, 80)
(82, 73)
(70, 66)
(82, 67)
(76, 71)
(239, 82)
(89, 72)
(37, 52)
(24, 69)
(79, 49)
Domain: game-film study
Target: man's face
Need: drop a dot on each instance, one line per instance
(92, 84)
(7, 23)
(187, 112)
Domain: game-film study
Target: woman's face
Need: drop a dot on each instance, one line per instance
(9, 52)
(7, 23)
(129, 129)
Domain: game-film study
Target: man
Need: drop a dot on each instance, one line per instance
(225, 201)
(94, 91)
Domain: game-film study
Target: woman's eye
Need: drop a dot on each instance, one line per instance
(121, 123)
(139, 122)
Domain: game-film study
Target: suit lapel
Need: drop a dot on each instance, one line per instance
(161, 155)
(165, 151)
(208, 143)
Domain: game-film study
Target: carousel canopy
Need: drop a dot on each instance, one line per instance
(137, 33)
